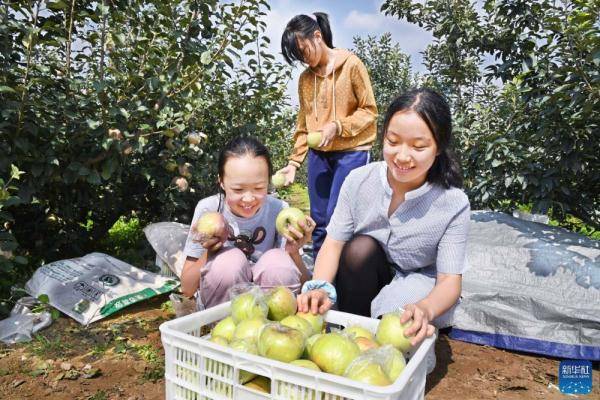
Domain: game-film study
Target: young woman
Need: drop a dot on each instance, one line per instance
(336, 99)
(246, 246)
(397, 238)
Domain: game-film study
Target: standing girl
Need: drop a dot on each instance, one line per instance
(397, 238)
(336, 99)
(246, 246)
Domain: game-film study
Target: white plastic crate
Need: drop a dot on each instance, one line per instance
(198, 369)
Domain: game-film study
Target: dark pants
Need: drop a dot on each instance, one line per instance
(363, 271)
(326, 173)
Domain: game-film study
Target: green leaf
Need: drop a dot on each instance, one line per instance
(12, 201)
(205, 57)
(93, 124)
(103, 9)
(44, 299)
(94, 178)
(142, 140)
(57, 5)
(6, 89)
(124, 112)
(108, 168)
(15, 173)
(596, 57)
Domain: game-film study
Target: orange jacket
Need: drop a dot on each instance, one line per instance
(344, 96)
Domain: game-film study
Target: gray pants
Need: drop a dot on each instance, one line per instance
(405, 288)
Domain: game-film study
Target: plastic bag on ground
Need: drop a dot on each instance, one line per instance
(22, 323)
(168, 241)
(94, 286)
(182, 305)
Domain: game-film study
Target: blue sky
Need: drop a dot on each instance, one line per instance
(348, 19)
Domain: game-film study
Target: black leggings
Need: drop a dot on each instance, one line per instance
(363, 271)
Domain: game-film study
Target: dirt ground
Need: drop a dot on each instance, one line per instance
(122, 358)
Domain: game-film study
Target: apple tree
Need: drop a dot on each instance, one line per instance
(524, 81)
(115, 108)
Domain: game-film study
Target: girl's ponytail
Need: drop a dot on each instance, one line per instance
(325, 28)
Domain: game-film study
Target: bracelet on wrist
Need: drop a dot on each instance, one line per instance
(320, 284)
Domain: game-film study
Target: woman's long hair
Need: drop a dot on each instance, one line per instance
(433, 109)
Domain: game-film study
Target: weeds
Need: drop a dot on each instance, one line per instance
(167, 307)
(99, 395)
(43, 347)
(156, 368)
(99, 349)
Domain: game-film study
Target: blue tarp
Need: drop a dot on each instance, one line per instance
(530, 287)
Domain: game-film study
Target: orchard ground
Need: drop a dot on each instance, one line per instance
(121, 357)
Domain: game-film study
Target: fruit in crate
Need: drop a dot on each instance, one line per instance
(356, 331)
(317, 321)
(289, 216)
(246, 346)
(333, 352)
(391, 331)
(365, 344)
(248, 305)
(224, 328)
(369, 371)
(248, 329)
(260, 384)
(280, 342)
(394, 362)
(309, 342)
(281, 303)
(293, 321)
(219, 340)
(313, 139)
(278, 181)
(306, 364)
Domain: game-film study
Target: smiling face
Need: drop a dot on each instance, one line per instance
(245, 182)
(409, 150)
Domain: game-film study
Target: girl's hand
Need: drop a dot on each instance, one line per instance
(314, 301)
(421, 327)
(215, 241)
(328, 133)
(289, 172)
(296, 239)
(213, 244)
